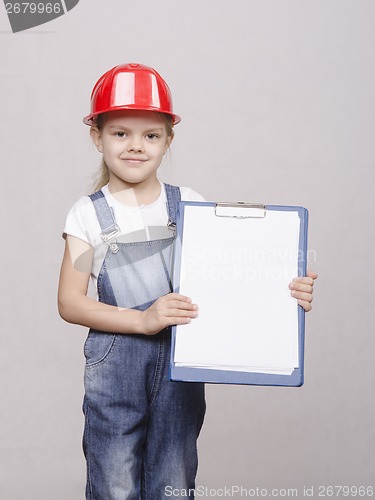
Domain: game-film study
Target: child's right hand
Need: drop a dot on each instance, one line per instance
(171, 309)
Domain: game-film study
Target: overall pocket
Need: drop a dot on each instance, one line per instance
(98, 346)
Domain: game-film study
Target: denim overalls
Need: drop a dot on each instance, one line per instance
(140, 428)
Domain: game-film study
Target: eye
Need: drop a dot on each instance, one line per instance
(152, 137)
(119, 134)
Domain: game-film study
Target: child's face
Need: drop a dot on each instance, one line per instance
(133, 144)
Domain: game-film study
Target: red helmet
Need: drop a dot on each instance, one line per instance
(130, 86)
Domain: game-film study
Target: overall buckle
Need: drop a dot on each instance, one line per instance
(108, 234)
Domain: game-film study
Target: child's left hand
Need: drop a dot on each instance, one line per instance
(302, 289)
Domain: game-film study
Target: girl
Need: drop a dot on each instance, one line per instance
(140, 428)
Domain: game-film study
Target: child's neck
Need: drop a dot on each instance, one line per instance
(143, 193)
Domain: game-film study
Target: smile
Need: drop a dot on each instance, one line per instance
(134, 161)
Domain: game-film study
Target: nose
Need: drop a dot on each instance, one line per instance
(135, 144)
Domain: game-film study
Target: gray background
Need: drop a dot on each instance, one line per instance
(278, 106)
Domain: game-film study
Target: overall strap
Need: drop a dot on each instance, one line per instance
(107, 221)
(173, 199)
(105, 217)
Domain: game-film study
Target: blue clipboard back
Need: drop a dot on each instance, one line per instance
(219, 376)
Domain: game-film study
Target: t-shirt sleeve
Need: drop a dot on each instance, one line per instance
(81, 221)
(188, 194)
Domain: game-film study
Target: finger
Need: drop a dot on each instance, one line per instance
(179, 321)
(177, 296)
(307, 280)
(301, 287)
(306, 305)
(311, 274)
(180, 304)
(302, 295)
(168, 313)
(187, 313)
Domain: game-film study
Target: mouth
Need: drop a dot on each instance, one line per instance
(134, 161)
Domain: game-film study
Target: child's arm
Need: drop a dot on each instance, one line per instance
(75, 307)
(302, 289)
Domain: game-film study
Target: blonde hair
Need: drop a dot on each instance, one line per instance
(102, 177)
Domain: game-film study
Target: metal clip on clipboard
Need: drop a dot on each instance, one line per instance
(240, 210)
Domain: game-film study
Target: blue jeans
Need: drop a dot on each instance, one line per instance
(141, 428)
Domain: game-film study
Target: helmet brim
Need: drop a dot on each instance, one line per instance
(91, 118)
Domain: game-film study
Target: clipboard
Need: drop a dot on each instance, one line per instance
(235, 260)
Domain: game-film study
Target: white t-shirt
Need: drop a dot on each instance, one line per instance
(137, 223)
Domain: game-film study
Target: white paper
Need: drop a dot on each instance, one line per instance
(238, 272)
